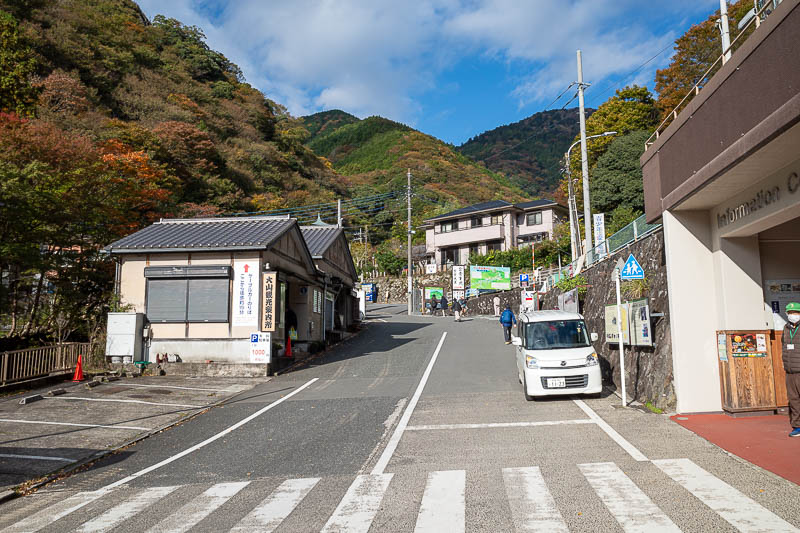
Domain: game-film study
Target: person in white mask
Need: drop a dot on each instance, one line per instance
(791, 364)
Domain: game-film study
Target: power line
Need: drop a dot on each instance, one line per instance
(631, 73)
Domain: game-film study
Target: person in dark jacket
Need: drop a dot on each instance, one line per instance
(457, 309)
(443, 304)
(434, 303)
(791, 365)
(507, 319)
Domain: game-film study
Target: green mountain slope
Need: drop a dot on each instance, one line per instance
(102, 71)
(375, 153)
(530, 152)
(326, 121)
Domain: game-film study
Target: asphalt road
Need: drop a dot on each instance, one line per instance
(417, 424)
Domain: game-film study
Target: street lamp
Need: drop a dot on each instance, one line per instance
(574, 226)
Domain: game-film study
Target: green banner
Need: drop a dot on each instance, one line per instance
(490, 278)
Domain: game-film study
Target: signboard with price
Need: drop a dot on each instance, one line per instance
(261, 347)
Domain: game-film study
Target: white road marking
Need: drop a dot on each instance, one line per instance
(500, 425)
(54, 512)
(170, 387)
(123, 401)
(209, 440)
(611, 432)
(118, 514)
(634, 511)
(383, 461)
(740, 511)
(442, 507)
(70, 424)
(361, 502)
(276, 507)
(193, 512)
(532, 506)
(36, 457)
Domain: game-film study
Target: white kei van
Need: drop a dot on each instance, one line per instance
(555, 355)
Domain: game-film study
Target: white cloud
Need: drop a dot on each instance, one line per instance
(382, 56)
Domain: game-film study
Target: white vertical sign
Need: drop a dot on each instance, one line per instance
(245, 293)
(599, 232)
(261, 347)
(458, 277)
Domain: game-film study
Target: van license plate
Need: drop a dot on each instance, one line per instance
(556, 383)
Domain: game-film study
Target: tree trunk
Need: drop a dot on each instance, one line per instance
(34, 307)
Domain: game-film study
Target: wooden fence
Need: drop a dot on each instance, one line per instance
(21, 365)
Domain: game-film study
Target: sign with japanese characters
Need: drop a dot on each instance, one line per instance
(458, 277)
(641, 329)
(261, 347)
(269, 292)
(245, 293)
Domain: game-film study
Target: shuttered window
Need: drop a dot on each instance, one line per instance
(166, 300)
(188, 294)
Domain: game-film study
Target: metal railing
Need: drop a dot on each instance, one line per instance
(760, 14)
(634, 231)
(30, 363)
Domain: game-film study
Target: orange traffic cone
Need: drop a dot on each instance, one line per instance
(288, 352)
(79, 370)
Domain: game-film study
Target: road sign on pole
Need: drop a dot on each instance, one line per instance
(524, 280)
(631, 270)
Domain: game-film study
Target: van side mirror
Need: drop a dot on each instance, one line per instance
(594, 337)
(516, 341)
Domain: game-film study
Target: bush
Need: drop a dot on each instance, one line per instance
(567, 284)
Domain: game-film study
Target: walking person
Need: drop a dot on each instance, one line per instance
(457, 309)
(443, 303)
(434, 303)
(507, 319)
(496, 303)
(791, 365)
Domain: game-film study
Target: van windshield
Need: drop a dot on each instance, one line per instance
(556, 335)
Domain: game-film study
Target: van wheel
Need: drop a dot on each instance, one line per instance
(525, 389)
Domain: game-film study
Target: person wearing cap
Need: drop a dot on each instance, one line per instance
(791, 365)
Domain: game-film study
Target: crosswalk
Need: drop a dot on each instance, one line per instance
(444, 504)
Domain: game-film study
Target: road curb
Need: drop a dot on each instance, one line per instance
(22, 489)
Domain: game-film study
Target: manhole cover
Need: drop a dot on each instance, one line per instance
(159, 391)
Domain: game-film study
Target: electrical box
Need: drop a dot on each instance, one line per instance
(124, 337)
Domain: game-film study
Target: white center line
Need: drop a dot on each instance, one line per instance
(380, 466)
(491, 425)
(611, 432)
(81, 398)
(14, 421)
(37, 457)
(209, 440)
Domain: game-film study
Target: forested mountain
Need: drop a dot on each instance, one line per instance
(373, 155)
(530, 152)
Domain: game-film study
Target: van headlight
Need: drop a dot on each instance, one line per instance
(531, 362)
(591, 359)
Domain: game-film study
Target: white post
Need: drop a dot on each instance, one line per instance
(410, 273)
(621, 343)
(339, 212)
(725, 30)
(587, 208)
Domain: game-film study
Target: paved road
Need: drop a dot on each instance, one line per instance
(418, 424)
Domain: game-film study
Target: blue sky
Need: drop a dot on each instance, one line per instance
(450, 68)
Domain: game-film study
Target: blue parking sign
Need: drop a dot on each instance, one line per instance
(523, 280)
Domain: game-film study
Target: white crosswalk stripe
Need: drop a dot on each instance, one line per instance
(443, 504)
(193, 512)
(55, 512)
(532, 506)
(442, 507)
(631, 507)
(740, 511)
(276, 507)
(131, 507)
(360, 504)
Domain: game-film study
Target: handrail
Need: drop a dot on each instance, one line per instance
(672, 115)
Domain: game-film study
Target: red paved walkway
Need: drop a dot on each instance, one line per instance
(762, 440)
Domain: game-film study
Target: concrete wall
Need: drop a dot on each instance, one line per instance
(649, 369)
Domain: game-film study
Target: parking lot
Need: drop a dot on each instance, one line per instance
(66, 429)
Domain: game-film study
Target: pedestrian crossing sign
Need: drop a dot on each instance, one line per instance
(631, 270)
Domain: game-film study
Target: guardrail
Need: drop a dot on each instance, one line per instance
(30, 363)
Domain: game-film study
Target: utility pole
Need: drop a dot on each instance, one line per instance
(339, 212)
(410, 273)
(587, 209)
(725, 30)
